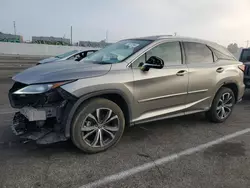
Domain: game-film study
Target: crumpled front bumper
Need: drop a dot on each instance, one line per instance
(42, 131)
(41, 117)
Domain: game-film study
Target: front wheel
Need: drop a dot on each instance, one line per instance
(222, 105)
(98, 125)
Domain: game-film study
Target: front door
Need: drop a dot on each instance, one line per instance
(160, 92)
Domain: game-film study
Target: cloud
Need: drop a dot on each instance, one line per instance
(223, 21)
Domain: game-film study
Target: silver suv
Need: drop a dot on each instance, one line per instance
(130, 82)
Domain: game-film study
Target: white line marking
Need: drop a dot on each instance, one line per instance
(7, 111)
(2, 113)
(161, 161)
(11, 112)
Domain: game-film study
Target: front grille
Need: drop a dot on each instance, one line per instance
(19, 101)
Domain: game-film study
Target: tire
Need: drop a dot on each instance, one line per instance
(216, 111)
(90, 133)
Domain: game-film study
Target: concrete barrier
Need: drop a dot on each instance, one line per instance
(7, 48)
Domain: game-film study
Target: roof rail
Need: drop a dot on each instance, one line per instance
(164, 36)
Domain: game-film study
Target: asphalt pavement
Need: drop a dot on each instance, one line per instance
(179, 152)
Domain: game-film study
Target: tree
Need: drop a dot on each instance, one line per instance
(233, 48)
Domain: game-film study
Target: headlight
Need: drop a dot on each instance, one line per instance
(39, 88)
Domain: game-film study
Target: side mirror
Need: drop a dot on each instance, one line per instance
(153, 62)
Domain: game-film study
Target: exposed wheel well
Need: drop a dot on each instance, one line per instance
(234, 88)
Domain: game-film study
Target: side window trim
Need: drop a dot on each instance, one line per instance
(212, 53)
(157, 44)
(183, 53)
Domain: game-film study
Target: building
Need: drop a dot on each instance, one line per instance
(10, 38)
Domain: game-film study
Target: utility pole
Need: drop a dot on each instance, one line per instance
(14, 27)
(247, 43)
(71, 35)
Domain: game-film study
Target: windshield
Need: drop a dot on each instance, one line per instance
(244, 55)
(118, 52)
(66, 54)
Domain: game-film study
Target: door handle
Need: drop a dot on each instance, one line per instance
(220, 70)
(181, 73)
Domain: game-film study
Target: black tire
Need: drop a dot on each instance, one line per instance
(82, 115)
(212, 114)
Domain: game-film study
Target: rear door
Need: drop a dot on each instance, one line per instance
(160, 92)
(202, 75)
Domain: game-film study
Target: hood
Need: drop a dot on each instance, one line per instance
(48, 60)
(61, 71)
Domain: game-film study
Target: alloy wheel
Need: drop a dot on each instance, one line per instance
(99, 128)
(225, 105)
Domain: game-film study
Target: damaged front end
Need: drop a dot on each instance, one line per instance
(43, 111)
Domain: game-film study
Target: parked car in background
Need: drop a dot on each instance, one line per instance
(245, 58)
(127, 83)
(76, 55)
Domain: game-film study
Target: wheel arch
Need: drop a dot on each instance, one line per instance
(114, 95)
(231, 85)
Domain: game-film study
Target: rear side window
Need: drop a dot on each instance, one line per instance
(198, 53)
(245, 54)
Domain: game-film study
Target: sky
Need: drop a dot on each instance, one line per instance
(221, 21)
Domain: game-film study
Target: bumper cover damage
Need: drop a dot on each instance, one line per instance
(43, 122)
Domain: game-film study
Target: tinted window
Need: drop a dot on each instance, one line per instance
(197, 53)
(90, 52)
(169, 52)
(244, 55)
(66, 54)
(73, 57)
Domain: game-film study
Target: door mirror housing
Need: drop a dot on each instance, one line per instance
(153, 62)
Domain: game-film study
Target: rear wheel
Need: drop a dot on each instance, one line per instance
(222, 105)
(98, 125)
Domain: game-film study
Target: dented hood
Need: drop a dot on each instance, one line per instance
(61, 71)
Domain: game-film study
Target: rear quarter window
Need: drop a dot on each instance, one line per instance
(222, 54)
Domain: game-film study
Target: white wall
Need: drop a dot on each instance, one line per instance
(8, 48)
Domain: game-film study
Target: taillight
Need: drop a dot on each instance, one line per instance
(242, 67)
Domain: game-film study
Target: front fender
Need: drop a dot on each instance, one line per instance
(84, 98)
